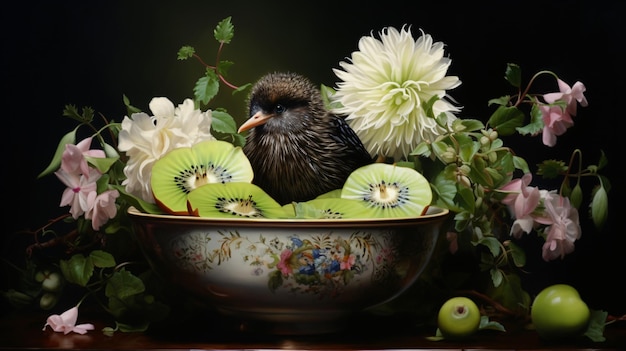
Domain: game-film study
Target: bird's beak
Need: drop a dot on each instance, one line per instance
(256, 120)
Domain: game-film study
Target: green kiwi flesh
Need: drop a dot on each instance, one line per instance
(330, 208)
(331, 194)
(233, 200)
(389, 191)
(182, 170)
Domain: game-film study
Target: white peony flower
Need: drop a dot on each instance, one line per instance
(385, 86)
(146, 139)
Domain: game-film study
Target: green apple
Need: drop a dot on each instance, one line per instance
(458, 318)
(559, 312)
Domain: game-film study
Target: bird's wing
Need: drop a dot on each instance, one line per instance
(346, 136)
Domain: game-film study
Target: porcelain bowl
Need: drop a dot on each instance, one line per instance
(289, 276)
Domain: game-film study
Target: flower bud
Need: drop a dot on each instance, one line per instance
(599, 207)
(576, 196)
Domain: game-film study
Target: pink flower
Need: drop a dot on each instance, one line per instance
(103, 208)
(522, 202)
(80, 193)
(283, 265)
(66, 322)
(347, 262)
(564, 230)
(555, 121)
(571, 96)
(73, 158)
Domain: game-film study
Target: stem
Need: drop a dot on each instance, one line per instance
(217, 60)
(521, 94)
(495, 304)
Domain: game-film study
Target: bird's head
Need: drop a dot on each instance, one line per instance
(283, 102)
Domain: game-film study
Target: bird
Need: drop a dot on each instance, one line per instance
(298, 149)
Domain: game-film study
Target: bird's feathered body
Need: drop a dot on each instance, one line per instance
(298, 150)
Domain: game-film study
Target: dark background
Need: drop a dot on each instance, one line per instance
(89, 53)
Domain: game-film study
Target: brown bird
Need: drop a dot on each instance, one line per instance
(297, 148)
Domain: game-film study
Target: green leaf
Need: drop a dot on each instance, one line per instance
(479, 174)
(102, 259)
(496, 276)
(223, 122)
(445, 191)
(241, 88)
(439, 147)
(506, 120)
(502, 101)
(86, 115)
(224, 31)
(469, 124)
(130, 109)
(422, 149)
(486, 324)
(466, 198)
(78, 269)
(103, 164)
(595, 328)
(550, 169)
(535, 125)
(511, 295)
(517, 254)
(513, 75)
(521, 164)
(223, 66)
(123, 284)
(185, 52)
(467, 147)
(69, 138)
(492, 244)
(207, 87)
(136, 202)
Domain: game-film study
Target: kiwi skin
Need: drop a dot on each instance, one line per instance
(233, 200)
(183, 169)
(390, 191)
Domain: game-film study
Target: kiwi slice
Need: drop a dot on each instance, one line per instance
(330, 195)
(330, 208)
(233, 200)
(183, 169)
(389, 190)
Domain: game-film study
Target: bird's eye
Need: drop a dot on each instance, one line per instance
(279, 108)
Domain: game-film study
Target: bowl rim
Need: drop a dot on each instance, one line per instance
(434, 214)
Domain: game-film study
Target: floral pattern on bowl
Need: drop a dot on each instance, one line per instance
(322, 264)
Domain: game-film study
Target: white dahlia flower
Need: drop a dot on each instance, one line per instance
(385, 86)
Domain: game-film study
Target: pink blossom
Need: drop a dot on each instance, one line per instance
(564, 230)
(347, 262)
(571, 96)
(66, 322)
(555, 123)
(80, 193)
(103, 208)
(522, 202)
(283, 265)
(73, 158)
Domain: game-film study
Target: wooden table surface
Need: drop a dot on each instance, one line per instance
(20, 330)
